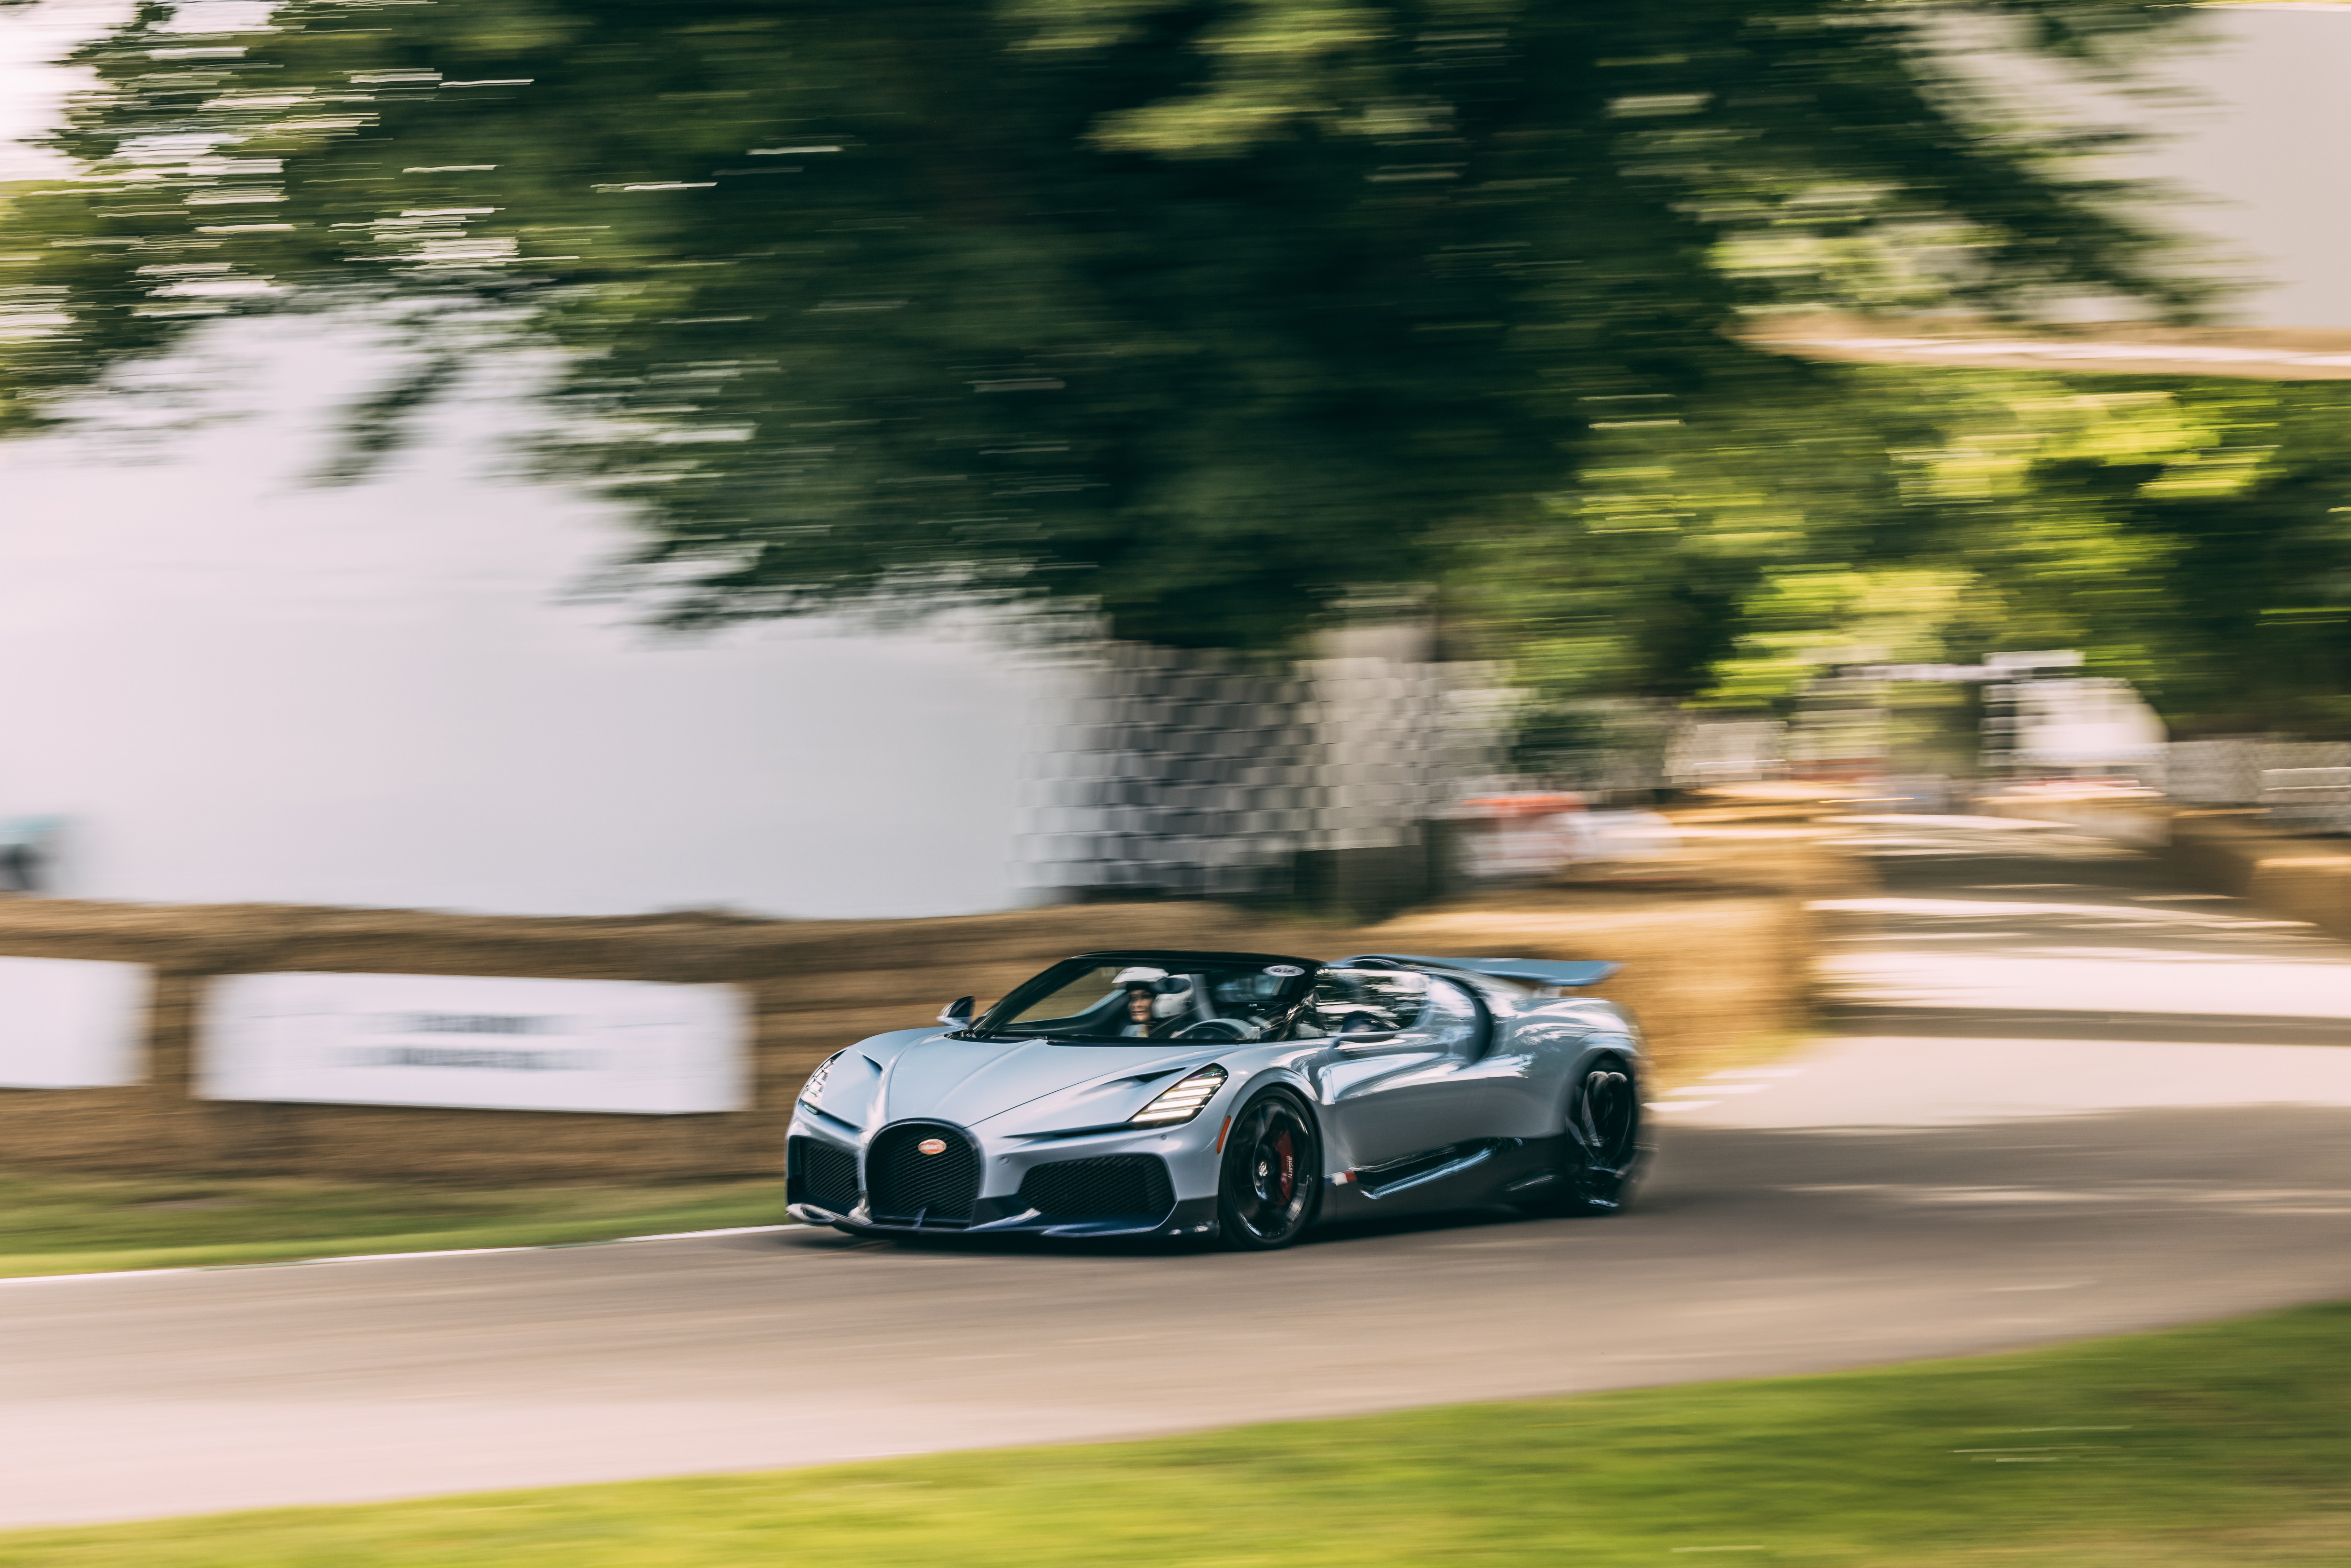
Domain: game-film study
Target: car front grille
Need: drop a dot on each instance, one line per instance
(904, 1185)
(1114, 1186)
(820, 1173)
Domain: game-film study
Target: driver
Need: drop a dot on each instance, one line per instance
(1153, 997)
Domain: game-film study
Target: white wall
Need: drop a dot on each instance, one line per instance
(239, 688)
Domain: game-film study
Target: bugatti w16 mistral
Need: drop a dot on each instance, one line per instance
(1246, 1096)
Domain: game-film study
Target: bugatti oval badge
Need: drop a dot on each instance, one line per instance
(1285, 970)
(933, 1145)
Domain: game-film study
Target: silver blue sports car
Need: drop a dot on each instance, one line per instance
(1246, 1096)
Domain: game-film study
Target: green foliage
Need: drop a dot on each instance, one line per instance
(2223, 1444)
(1204, 312)
(2192, 537)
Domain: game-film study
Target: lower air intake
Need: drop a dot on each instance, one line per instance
(820, 1173)
(904, 1185)
(1115, 1186)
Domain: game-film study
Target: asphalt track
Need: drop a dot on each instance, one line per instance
(2063, 1097)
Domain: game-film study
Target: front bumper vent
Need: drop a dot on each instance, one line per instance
(821, 1173)
(1111, 1186)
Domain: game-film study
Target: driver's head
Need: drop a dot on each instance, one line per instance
(1151, 993)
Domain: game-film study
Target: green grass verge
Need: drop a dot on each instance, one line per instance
(2229, 1444)
(72, 1225)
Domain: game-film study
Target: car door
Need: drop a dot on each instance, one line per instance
(1394, 1074)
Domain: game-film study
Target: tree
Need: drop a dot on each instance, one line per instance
(1207, 313)
(2188, 535)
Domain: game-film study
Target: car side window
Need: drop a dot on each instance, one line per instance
(1364, 1001)
(1361, 1001)
(1390, 1001)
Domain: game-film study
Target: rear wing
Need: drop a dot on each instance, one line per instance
(1531, 971)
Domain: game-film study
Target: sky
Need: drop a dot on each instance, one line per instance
(233, 685)
(237, 685)
(31, 87)
(2245, 119)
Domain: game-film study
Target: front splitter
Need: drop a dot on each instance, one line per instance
(1193, 1217)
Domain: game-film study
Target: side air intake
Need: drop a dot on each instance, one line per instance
(821, 1173)
(1114, 1187)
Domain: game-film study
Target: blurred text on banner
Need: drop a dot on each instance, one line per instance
(629, 1047)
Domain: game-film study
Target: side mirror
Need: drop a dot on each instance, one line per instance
(956, 1014)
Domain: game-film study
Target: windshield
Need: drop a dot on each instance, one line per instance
(1154, 995)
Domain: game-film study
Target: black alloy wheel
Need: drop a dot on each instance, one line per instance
(1272, 1179)
(1600, 1153)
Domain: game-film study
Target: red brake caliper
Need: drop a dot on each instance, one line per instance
(1289, 1164)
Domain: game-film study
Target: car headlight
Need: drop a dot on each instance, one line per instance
(814, 1087)
(1183, 1101)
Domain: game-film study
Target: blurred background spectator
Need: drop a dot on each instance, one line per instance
(26, 847)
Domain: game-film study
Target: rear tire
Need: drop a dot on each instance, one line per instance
(1271, 1181)
(1600, 1152)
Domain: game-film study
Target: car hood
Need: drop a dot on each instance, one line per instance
(968, 1082)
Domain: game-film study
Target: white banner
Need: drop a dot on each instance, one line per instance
(71, 1023)
(492, 1043)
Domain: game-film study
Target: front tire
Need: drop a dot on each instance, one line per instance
(1271, 1181)
(1601, 1150)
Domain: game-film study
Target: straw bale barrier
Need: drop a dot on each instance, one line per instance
(2235, 852)
(1711, 970)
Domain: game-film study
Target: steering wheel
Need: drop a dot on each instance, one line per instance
(1216, 1029)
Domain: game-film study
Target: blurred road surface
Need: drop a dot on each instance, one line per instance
(2064, 1096)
